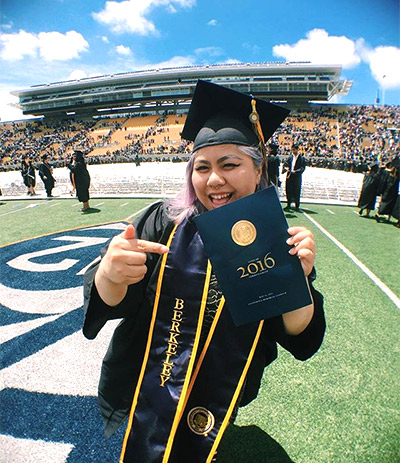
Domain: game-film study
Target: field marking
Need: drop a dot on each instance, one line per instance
(20, 209)
(96, 205)
(122, 205)
(389, 293)
(330, 212)
(138, 212)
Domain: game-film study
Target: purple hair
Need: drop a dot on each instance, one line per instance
(186, 203)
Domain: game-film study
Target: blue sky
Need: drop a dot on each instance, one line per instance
(46, 41)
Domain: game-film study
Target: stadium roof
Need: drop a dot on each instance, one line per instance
(158, 90)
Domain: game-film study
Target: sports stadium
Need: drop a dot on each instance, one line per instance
(128, 125)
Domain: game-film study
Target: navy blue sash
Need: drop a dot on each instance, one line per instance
(180, 410)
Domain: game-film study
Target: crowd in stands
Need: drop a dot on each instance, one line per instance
(336, 137)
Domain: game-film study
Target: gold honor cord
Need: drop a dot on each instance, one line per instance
(147, 351)
(184, 394)
(236, 394)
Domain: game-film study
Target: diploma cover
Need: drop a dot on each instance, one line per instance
(246, 244)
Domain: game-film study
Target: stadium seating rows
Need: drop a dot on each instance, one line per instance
(342, 137)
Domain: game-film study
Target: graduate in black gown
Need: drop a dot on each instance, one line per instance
(177, 367)
(389, 190)
(80, 179)
(46, 174)
(274, 163)
(369, 190)
(295, 166)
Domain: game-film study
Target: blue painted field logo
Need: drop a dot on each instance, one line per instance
(43, 277)
(49, 371)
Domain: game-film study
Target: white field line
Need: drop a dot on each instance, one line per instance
(19, 210)
(123, 205)
(390, 294)
(330, 212)
(138, 212)
(96, 205)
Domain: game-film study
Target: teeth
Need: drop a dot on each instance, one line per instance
(220, 196)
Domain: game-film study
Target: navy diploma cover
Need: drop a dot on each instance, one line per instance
(246, 244)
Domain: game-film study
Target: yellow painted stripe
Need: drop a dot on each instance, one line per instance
(147, 351)
(183, 399)
(236, 395)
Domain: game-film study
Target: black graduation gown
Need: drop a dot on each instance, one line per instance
(369, 191)
(390, 190)
(273, 169)
(123, 360)
(47, 177)
(293, 181)
(82, 180)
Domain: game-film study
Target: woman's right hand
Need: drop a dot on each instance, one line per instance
(123, 265)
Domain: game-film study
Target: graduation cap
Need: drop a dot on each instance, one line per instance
(220, 116)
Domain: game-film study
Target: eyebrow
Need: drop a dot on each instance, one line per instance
(220, 160)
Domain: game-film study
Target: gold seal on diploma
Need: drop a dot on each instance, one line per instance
(200, 420)
(243, 233)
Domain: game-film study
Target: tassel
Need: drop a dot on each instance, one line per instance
(255, 120)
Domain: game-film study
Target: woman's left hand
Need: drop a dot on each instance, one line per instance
(303, 244)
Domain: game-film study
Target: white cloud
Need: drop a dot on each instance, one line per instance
(252, 48)
(130, 15)
(174, 62)
(16, 46)
(77, 74)
(321, 48)
(211, 51)
(212, 22)
(122, 50)
(49, 45)
(8, 111)
(56, 46)
(105, 39)
(384, 63)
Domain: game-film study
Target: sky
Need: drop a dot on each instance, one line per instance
(44, 41)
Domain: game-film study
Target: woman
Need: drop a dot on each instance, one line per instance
(177, 365)
(24, 173)
(80, 179)
(32, 177)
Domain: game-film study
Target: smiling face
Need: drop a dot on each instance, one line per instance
(222, 174)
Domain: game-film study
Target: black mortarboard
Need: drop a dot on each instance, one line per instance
(220, 116)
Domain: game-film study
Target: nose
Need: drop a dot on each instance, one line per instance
(215, 180)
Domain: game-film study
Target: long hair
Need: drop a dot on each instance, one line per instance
(186, 203)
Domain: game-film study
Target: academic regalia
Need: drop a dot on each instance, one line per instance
(294, 179)
(389, 195)
(369, 191)
(122, 363)
(81, 178)
(176, 364)
(24, 172)
(45, 173)
(273, 169)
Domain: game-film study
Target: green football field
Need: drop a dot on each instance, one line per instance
(343, 405)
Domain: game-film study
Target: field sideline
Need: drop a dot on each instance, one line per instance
(341, 406)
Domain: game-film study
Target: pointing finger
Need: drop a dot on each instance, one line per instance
(150, 246)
